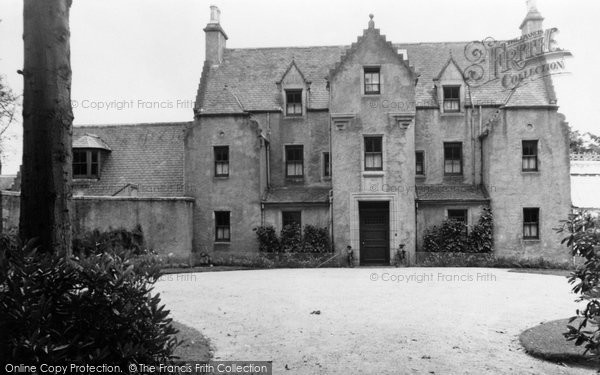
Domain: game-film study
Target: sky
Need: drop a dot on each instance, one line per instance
(139, 61)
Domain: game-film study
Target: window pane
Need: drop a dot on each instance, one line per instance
(291, 217)
(326, 165)
(420, 162)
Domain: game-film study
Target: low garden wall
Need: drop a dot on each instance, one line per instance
(165, 222)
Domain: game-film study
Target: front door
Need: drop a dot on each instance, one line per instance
(374, 233)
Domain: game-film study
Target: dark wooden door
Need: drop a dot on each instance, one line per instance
(374, 232)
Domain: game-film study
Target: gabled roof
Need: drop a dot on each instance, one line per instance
(293, 65)
(443, 70)
(449, 193)
(252, 75)
(147, 155)
(361, 39)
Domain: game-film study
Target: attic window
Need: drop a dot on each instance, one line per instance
(86, 163)
(372, 81)
(451, 98)
(293, 102)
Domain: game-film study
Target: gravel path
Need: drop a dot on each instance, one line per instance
(408, 321)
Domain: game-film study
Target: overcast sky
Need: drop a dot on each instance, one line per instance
(152, 50)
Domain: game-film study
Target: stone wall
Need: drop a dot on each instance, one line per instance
(511, 189)
(239, 193)
(166, 222)
(373, 115)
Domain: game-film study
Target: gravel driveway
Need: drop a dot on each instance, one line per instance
(372, 320)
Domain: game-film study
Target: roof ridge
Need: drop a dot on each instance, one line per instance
(148, 124)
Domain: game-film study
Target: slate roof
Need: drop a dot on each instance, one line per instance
(247, 78)
(448, 193)
(150, 156)
(297, 195)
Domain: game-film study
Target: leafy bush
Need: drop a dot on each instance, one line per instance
(316, 239)
(93, 309)
(584, 240)
(481, 236)
(291, 238)
(268, 241)
(451, 236)
(113, 240)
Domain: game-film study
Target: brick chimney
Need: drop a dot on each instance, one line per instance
(533, 19)
(215, 37)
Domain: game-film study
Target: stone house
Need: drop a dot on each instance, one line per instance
(376, 141)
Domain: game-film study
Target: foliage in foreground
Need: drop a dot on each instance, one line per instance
(583, 238)
(92, 309)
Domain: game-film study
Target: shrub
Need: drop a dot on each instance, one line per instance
(93, 309)
(291, 238)
(316, 239)
(267, 239)
(113, 240)
(584, 240)
(451, 236)
(481, 236)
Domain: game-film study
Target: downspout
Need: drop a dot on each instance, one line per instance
(480, 145)
(331, 175)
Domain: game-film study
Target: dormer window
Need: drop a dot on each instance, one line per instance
(372, 81)
(89, 151)
(293, 102)
(451, 98)
(86, 163)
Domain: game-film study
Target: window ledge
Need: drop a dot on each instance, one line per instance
(452, 114)
(294, 117)
(531, 240)
(420, 176)
(220, 177)
(84, 180)
(538, 172)
(222, 243)
(373, 173)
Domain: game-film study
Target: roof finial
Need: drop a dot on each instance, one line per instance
(371, 22)
(531, 5)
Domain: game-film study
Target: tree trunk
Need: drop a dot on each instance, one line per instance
(47, 126)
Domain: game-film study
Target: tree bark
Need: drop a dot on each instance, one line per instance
(47, 126)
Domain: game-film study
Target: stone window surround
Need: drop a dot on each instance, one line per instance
(304, 172)
(537, 154)
(370, 173)
(355, 220)
(223, 176)
(539, 225)
(294, 88)
(422, 175)
(362, 80)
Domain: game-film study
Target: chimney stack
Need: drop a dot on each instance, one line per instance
(215, 37)
(533, 19)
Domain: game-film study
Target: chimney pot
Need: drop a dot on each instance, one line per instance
(215, 14)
